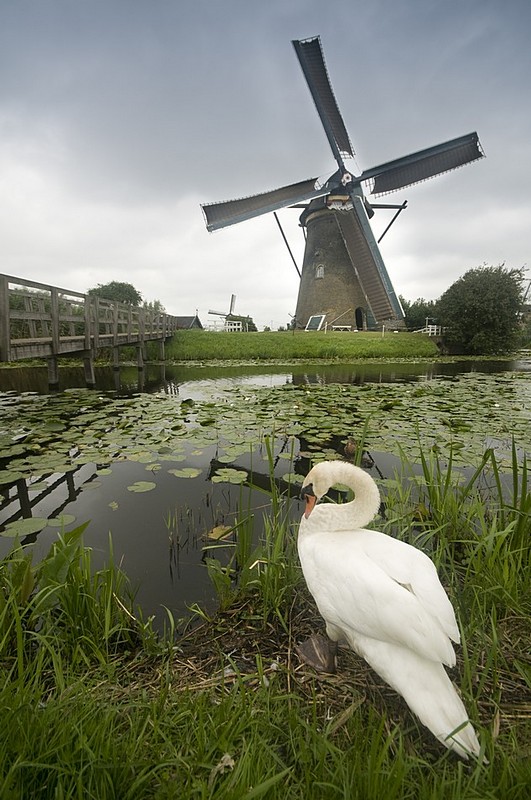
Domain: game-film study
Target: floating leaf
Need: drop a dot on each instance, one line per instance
(142, 486)
(144, 458)
(113, 505)
(292, 477)
(25, 527)
(8, 476)
(186, 472)
(53, 425)
(61, 521)
(229, 476)
(220, 532)
(90, 485)
(173, 457)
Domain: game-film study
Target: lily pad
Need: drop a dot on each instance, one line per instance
(142, 486)
(292, 477)
(38, 486)
(186, 472)
(62, 521)
(8, 476)
(229, 476)
(25, 527)
(220, 532)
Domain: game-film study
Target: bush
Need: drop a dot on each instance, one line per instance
(481, 311)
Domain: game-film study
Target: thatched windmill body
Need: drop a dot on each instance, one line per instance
(344, 280)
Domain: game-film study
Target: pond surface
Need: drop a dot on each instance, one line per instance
(160, 462)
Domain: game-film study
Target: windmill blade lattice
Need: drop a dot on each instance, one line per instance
(423, 164)
(311, 59)
(220, 215)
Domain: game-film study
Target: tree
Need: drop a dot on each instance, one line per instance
(481, 311)
(116, 290)
(155, 306)
(417, 312)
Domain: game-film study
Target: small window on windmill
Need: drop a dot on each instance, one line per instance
(319, 271)
(315, 322)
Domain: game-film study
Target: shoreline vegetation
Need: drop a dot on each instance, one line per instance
(201, 346)
(301, 345)
(95, 704)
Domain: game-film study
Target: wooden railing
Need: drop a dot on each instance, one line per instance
(38, 320)
(42, 321)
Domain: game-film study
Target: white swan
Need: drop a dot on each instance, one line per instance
(383, 598)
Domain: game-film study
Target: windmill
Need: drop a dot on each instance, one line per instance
(225, 314)
(234, 325)
(343, 274)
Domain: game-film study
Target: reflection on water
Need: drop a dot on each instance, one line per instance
(197, 380)
(158, 536)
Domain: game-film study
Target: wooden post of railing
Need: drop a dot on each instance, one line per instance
(115, 347)
(88, 320)
(53, 360)
(162, 340)
(88, 353)
(5, 337)
(140, 346)
(96, 329)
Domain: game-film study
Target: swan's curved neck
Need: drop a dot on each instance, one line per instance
(346, 516)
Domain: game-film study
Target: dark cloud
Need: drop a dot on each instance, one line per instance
(118, 117)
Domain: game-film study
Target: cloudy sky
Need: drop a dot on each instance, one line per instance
(119, 117)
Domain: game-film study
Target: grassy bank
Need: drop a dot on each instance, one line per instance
(92, 705)
(286, 346)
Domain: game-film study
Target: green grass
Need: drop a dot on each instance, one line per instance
(303, 345)
(92, 705)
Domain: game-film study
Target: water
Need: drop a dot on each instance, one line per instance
(158, 536)
(195, 381)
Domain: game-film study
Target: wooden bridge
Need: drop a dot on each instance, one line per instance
(42, 321)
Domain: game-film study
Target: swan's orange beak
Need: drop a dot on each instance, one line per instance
(311, 500)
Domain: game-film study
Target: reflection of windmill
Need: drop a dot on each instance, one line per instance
(343, 268)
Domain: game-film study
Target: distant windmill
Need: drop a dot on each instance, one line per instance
(343, 274)
(225, 314)
(236, 325)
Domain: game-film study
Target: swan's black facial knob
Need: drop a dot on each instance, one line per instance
(307, 490)
(308, 495)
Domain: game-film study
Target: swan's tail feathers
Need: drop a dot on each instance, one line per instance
(463, 740)
(428, 691)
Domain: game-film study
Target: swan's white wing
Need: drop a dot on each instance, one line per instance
(351, 582)
(413, 569)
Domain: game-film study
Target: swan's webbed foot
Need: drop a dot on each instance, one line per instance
(319, 652)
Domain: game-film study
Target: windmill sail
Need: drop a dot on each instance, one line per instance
(311, 59)
(220, 215)
(424, 164)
